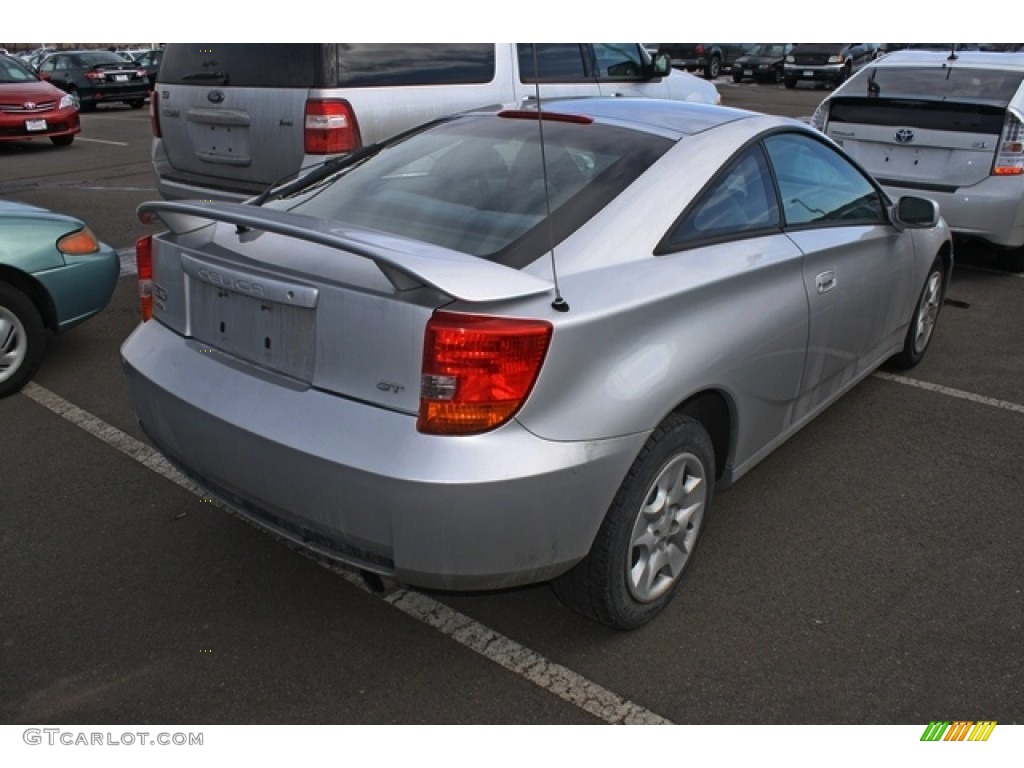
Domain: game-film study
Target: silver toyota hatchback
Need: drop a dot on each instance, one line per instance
(948, 126)
(526, 344)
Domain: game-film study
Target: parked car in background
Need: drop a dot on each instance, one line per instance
(826, 63)
(710, 59)
(231, 119)
(31, 108)
(96, 77)
(150, 61)
(378, 362)
(54, 274)
(762, 63)
(949, 127)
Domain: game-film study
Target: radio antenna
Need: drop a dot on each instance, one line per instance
(559, 304)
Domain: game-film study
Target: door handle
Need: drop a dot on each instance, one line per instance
(826, 281)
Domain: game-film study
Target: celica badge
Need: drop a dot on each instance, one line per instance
(904, 136)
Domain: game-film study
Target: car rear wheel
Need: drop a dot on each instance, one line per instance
(922, 324)
(650, 533)
(63, 141)
(22, 340)
(1012, 260)
(713, 68)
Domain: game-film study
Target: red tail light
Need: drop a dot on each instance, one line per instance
(144, 265)
(478, 371)
(154, 114)
(330, 127)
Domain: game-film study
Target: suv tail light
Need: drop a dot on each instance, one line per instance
(478, 371)
(1010, 156)
(154, 113)
(330, 127)
(144, 265)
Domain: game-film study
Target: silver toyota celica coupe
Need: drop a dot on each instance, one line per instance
(526, 344)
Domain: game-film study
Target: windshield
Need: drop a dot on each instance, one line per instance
(13, 72)
(477, 184)
(767, 49)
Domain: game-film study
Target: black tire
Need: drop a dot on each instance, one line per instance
(790, 82)
(22, 340)
(63, 141)
(713, 68)
(922, 323)
(137, 103)
(638, 559)
(737, 78)
(1011, 260)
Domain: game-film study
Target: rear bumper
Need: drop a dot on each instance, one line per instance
(118, 93)
(359, 484)
(992, 211)
(826, 73)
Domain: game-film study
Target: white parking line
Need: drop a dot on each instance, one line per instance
(530, 665)
(103, 141)
(1005, 405)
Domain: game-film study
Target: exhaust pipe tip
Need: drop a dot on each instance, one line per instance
(379, 585)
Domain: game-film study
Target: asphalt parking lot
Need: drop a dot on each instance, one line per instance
(868, 572)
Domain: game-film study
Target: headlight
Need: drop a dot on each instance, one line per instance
(791, 60)
(835, 59)
(69, 100)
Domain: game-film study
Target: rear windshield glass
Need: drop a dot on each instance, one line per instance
(326, 65)
(937, 83)
(478, 184)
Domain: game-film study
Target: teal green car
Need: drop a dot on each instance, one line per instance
(54, 274)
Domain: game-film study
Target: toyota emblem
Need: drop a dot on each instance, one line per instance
(29, 105)
(215, 97)
(904, 136)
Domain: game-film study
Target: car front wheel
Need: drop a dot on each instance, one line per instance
(650, 533)
(22, 340)
(922, 324)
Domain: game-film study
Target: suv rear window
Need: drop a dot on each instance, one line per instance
(326, 65)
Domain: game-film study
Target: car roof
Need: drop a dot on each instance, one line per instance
(964, 59)
(662, 116)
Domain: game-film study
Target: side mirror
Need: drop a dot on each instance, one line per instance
(917, 212)
(661, 65)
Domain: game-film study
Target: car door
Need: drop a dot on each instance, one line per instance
(56, 70)
(748, 330)
(857, 266)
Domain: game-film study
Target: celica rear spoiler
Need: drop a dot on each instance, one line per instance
(407, 264)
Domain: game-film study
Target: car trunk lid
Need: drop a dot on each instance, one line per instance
(332, 307)
(903, 141)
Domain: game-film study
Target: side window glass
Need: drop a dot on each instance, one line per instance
(818, 185)
(618, 61)
(556, 62)
(741, 201)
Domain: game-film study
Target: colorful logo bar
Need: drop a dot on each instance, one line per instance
(958, 730)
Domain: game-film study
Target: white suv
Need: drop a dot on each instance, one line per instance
(230, 119)
(949, 126)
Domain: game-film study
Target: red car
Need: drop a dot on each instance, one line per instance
(32, 108)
